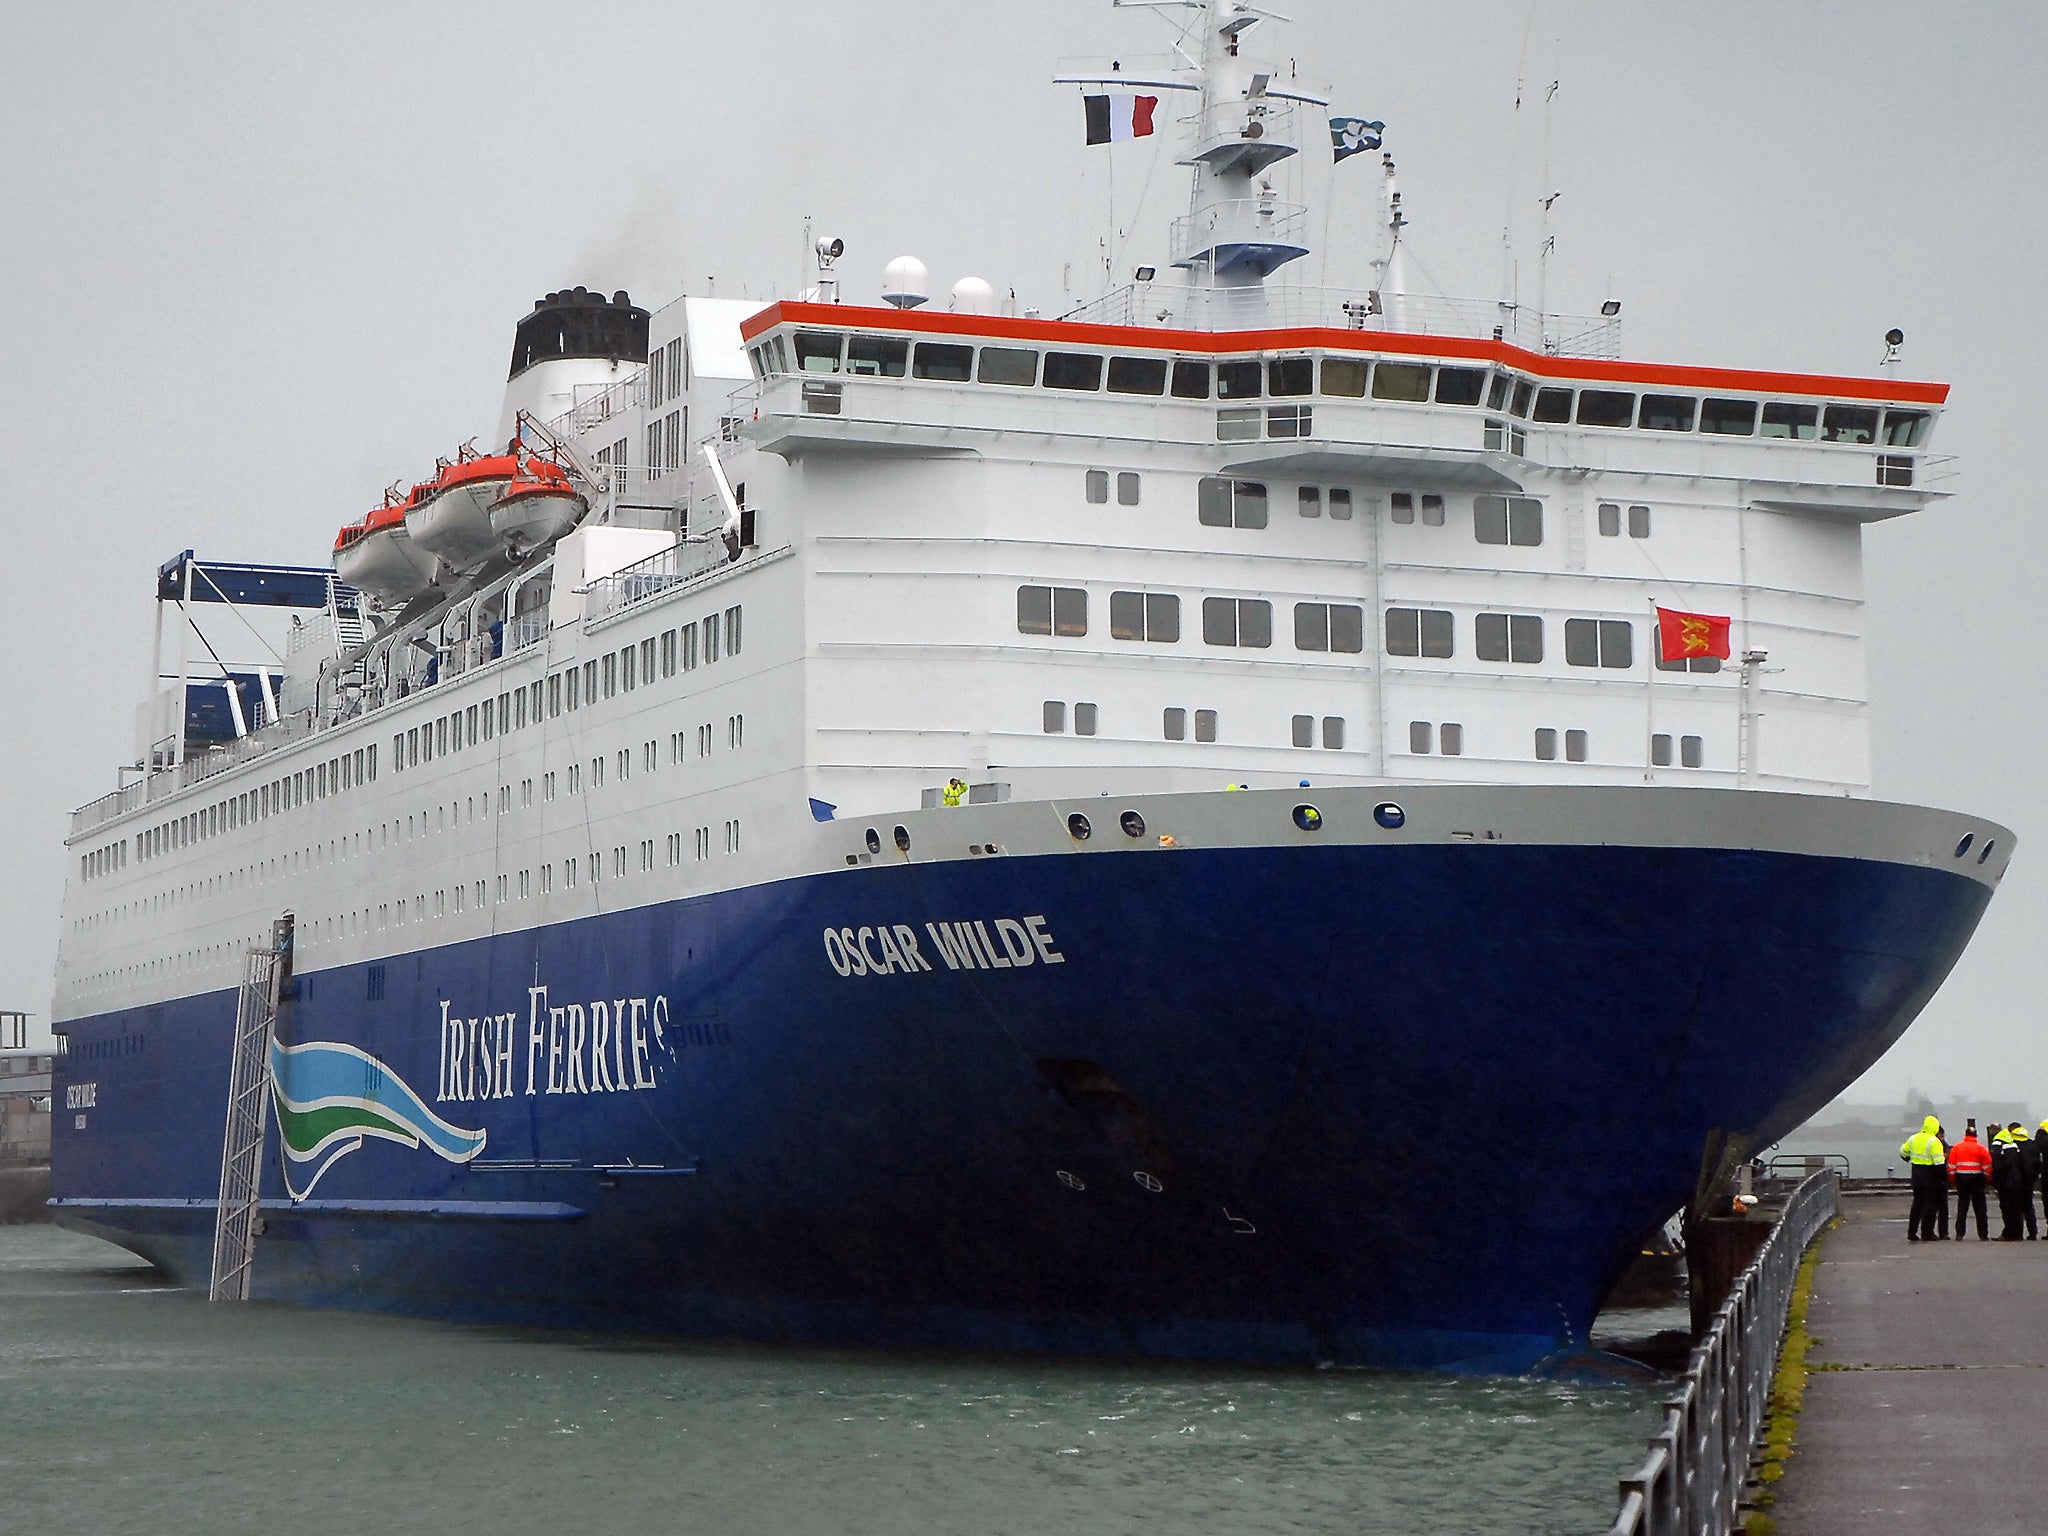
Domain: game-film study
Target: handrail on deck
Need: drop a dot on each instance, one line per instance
(1691, 1484)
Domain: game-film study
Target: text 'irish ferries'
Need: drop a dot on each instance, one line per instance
(893, 949)
(604, 1046)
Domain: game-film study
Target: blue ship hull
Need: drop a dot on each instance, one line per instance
(1407, 1104)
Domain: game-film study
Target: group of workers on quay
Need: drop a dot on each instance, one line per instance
(2010, 1164)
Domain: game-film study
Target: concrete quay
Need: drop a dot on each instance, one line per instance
(1928, 1384)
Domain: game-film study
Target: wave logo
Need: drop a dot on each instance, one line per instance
(331, 1097)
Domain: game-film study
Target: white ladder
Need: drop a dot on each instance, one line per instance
(241, 1152)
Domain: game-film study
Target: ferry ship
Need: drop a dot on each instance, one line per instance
(1247, 820)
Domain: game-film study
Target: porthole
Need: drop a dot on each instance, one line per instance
(1133, 824)
(1390, 815)
(1308, 818)
(1078, 828)
(1963, 847)
(874, 841)
(903, 839)
(1985, 852)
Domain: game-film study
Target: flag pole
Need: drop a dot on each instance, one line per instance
(1650, 697)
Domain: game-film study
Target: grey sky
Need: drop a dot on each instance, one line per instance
(258, 261)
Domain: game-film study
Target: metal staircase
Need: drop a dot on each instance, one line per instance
(241, 1153)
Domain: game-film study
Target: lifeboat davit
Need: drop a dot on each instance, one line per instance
(452, 517)
(378, 555)
(535, 506)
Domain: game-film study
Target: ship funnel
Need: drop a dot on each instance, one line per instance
(906, 283)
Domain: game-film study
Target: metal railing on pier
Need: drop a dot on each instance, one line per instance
(1692, 1482)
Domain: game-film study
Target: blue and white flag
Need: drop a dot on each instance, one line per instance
(1354, 135)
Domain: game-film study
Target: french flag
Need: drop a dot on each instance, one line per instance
(1112, 119)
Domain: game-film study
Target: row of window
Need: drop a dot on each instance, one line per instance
(103, 861)
(665, 448)
(672, 651)
(1504, 520)
(1154, 617)
(332, 777)
(665, 372)
(1517, 638)
(1353, 378)
(564, 692)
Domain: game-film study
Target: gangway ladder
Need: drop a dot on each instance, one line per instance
(241, 1153)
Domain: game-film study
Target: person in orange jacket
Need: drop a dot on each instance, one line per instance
(1970, 1165)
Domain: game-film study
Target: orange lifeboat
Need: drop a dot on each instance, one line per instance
(538, 504)
(378, 556)
(452, 519)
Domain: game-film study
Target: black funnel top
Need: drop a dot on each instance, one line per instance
(578, 323)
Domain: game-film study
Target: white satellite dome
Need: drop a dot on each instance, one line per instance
(906, 283)
(974, 296)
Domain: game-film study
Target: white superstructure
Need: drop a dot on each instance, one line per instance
(1209, 532)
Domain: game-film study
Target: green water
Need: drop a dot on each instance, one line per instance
(132, 1407)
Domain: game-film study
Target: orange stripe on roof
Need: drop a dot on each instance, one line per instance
(1332, 338)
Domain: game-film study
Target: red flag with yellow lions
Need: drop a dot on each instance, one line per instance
(1681, 635)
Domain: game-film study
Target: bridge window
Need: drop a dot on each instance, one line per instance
(1073, 370)
(1459, 386)
(1290, 376)
(1513, 637)
(1239, 621)
(1606, 408)
(1008, 365)
(1524, 393)
(1153, 616)
(1849, 424)
(1344, 376)
(1906, 429)
(1728, 418)
(1789, 419)
(1190, 379)
(877, 356)
(944, 361)
(1553, 405)
(1667, 413)
(1137, 375)
(1400, 381)
(818, 351)
(1507, 520)
(1237, 381)
(1599, 643)
(1420, 632)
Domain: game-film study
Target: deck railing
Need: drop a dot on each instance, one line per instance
(1279, 305)
(1692, 1482)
